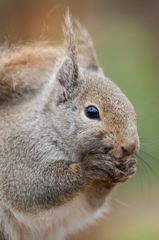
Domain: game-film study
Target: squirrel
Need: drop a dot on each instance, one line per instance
(67, 133)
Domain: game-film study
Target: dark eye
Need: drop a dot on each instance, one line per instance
(92, 113)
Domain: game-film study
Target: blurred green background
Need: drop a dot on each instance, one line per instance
(126, 38)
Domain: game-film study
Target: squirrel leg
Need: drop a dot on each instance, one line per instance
(58, 182)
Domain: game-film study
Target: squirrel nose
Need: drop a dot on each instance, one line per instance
(129, 149)
(125, 148)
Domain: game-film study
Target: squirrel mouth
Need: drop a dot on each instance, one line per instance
(105, 151)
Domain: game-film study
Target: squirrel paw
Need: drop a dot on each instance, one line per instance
(112, 171)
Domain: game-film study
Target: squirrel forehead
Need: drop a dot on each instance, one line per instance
(104, 92)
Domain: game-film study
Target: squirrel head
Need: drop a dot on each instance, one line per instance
(86, 107)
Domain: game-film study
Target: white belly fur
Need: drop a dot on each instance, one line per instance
(56, 223)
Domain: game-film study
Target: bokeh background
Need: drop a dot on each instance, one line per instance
(126, 38)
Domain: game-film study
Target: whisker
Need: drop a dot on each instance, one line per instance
(147, 165)
(149, 138)
(151, 157)
(125, 204)
(142, 186)
(144, 176)
(152, 140)
(147, 176)
(142, 144)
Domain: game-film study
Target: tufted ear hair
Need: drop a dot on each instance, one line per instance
(70, 48)
(86, 48)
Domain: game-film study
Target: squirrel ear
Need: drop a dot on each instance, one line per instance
(65, 73)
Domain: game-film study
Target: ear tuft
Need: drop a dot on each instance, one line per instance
(70, 44)
(86, 48)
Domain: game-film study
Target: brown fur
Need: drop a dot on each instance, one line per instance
(52, 157)
(25, 68)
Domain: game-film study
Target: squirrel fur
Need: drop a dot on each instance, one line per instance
(57, 166)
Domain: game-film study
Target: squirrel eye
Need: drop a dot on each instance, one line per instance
(92, 113)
